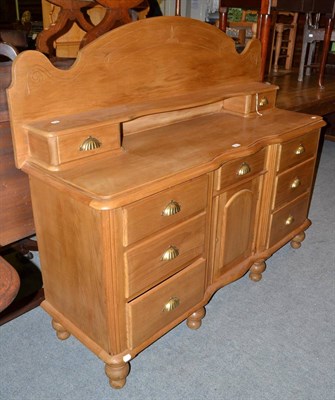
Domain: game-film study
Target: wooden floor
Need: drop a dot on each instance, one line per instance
(304, 96)
(307, 96)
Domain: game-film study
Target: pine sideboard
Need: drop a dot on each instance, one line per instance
(160, 171)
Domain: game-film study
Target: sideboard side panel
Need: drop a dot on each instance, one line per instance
(73, 271)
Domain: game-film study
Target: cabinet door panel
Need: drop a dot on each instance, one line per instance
(236, 225)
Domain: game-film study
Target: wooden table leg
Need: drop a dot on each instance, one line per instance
(263, 33)
(223, 18)
(326, 43)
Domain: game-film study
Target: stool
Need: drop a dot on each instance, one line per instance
(311, 36)
(283, 41)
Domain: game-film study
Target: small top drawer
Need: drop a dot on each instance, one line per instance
(237, 170)
(298, 150)
(251, 103)
(52, 149)
(156, 212)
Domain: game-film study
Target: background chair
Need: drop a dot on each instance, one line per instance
(311, 36)
(283, 39)
(246, 26)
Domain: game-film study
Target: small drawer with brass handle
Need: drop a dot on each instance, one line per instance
(299, 150)
(55, 148)
(165, 303)
(252, 103)
(293, 183)
(155, 259)
(288, 218)
(236, 170)
(166, 208)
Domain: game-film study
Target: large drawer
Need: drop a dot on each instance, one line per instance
(288, 218)
(159, 211)
(294, 183)
(235, 171)
(166, 302)
(164, 254)
(298, 150)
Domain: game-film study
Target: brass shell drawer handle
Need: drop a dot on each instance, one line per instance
(171, 209)
(170, 254)
(172, 304)
(90, 143)
(300, 149)
(263, 102)
(244, 169)
(295, 183)
(289, 220)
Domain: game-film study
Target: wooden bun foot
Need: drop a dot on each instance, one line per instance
(61, 332)
(296, 241)
(117, 374)
(256, 270)
(194, 320)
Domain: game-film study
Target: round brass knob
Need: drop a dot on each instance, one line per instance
(263, 102)
(289, 220)
(295, 183)
(300, 149)
(171, 253)
(171, 304)
(171, 209)
(244, 169)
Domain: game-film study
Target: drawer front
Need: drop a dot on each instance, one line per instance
(288, 218)
(164, 209)
(235, 171)
(264, 101)
(251, 103)
(88, 142)
(57, 150)
(163, 255)
(162, 305)
(298, 150)
(294, 183)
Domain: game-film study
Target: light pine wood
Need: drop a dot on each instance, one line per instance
(146, 268)
(171, 51)
(181, 194)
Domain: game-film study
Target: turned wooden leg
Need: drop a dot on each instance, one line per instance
(256, 271)
(194, 320)
(117, 374)
(296, 241)
(61, 332)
